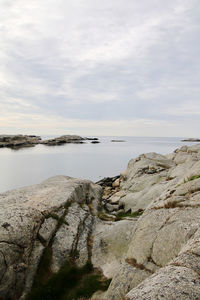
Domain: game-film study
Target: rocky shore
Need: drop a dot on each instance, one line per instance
(135, 236)
(20, 141)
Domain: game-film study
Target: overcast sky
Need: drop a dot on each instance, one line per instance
(90, 67)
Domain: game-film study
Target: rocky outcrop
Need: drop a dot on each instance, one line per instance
(56, 216)
(140, 229)
(18, 141)
(64, 139)
(162, 260)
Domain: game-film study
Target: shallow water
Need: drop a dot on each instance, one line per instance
(91, 161)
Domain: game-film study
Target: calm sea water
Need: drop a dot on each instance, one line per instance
(91, 161)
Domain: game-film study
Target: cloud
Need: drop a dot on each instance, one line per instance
(53, 125)
(105, 61)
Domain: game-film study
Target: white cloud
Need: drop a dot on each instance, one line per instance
(106, 60)
(53, 125)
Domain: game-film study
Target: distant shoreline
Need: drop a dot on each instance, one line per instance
(21, 141)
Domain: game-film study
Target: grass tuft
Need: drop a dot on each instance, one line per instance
(70, 283)
(194, 177)
(129, 214)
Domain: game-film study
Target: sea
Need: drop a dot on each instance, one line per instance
(32, 165)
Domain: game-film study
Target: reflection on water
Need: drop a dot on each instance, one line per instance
(91, 161)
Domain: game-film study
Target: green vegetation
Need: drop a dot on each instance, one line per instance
(194, 177)
(189, 179)
(69, 283)
(53, 216)
(129, 214)
(68, 204)
(62, 221)
(87, 199)
(44, 271)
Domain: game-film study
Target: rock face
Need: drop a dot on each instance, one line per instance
(143, 232)
(58, 212)
(162, 260)
(18, 141)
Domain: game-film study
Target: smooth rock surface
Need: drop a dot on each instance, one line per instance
(143, 233)
(33, 218)
(164, 247)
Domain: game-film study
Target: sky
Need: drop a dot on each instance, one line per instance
(90, 67)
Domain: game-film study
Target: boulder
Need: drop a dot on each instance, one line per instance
(57, 216)
(172, 282)
(165, 264)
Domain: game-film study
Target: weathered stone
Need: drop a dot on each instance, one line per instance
(47, 229)
(126, 278)
(111, 207)
(116, 183)
(107, 181)
(169, 283)
(110, 243)
(114, 199)
(32, 218)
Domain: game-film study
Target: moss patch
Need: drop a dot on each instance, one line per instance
(69, 283)
(53, 216)
(189, 179)
(129, 214)
(194, 177)
(44, 272)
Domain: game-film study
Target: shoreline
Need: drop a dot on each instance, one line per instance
(138, 231)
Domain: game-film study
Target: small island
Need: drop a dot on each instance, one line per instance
(21, 141)
(191, 140)
(117, 141)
